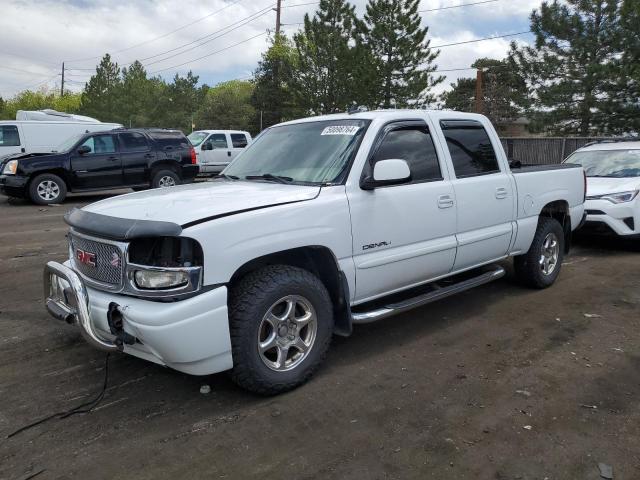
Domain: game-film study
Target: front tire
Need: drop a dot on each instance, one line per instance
(281, 320)
(540, 266)
(46, 189)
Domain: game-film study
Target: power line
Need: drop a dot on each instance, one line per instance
(163, 35)
(30, 59)
(457, 6)
(26, 71)
(480, 39)
(209, 54)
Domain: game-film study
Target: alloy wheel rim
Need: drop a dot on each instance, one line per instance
(48, 190)
(287, 333)
(549, 254)
(167, 181)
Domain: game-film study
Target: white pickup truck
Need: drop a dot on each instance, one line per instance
(319, 224)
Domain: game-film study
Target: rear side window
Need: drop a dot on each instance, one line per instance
(239, 140)
(167, 139)
(218, 140)
(100, 144)
(9, 136)
(133, 142)
(471, 150)
(414, 145)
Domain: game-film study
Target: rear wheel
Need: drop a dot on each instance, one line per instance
(281, 325)
(165, 178)
(46, 189)
(540, 266)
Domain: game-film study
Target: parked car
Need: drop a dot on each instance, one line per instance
(613, 182)
(216, 148)
(320, 224)
(136, 158)
(42, 131)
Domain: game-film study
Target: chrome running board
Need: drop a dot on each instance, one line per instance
(436, 294)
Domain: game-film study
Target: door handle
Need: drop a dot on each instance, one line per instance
(445, 201)
(501, 193)
(228, 153)
(113, 159)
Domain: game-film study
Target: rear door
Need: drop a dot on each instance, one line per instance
(238, 143)
(136, 155)
(483, 191)
(403, 235)
(101, 167)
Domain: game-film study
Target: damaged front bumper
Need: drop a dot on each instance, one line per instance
(190, 335)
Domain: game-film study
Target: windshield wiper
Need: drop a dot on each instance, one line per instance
(230, 177)
(270, 176)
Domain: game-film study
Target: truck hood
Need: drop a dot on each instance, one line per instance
(597, 186)
(187, 204)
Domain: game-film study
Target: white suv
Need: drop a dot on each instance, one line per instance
(613, 181)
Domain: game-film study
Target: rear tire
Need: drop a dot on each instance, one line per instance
(165, 178)
(540, 266)
(281, 320)
(46, 189)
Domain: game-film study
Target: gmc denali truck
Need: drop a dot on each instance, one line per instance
(319, 224)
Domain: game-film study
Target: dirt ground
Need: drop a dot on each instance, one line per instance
(500, 382)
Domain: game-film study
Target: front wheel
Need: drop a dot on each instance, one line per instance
(540, 266)
(281, 320)
(46, 189)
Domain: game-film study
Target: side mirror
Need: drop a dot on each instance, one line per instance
(387, 172)
(207, 146)
(84, 149)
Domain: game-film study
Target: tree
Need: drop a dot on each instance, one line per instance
(504, 92)
(273, 97)
(138, 96)
(402, 60)
(30, 100)
(228, 106)
(100, 97)
(324, 81)
(569, 69)
(180, 101)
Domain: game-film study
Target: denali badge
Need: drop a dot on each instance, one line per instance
(375, 245)
(86, 258)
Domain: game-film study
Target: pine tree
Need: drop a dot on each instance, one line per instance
(403, 62)
(325, 81)
(100, 96)
(137, 97)
(274, 77)
(569, 68)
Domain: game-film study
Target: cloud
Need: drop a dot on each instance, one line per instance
(79, 32)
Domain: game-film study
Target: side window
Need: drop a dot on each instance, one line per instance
(415, 145)
(133, 142)
(218, 140)
(239, 140)
(471, 150)
(9, 136)
(100, 144)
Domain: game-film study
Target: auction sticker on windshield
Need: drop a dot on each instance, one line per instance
(340, 130)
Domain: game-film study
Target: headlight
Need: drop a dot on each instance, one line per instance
(10, 168)
(621, 197)
(161, 279)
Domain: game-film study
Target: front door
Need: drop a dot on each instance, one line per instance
(484, 193)
(404, 235)
(100, 166)
(215, 152)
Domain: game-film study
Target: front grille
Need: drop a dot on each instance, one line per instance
(106, 257)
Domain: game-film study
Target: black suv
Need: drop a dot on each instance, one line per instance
(136, 158)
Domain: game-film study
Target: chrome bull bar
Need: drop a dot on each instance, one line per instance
(66, 299)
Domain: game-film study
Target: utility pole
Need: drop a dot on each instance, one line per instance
(278, 8)
(479, 92)
(62, 83)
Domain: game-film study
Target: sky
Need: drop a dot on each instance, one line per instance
(218, 40)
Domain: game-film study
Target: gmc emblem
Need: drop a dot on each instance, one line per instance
(86, 258)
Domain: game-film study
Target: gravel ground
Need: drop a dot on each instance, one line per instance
(499, 382)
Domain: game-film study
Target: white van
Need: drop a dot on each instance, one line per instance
(216, 148)
(42, 131)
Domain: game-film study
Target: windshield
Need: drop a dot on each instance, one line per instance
(196, 138)
(68, 143)
(608, 163)
(309, 152)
